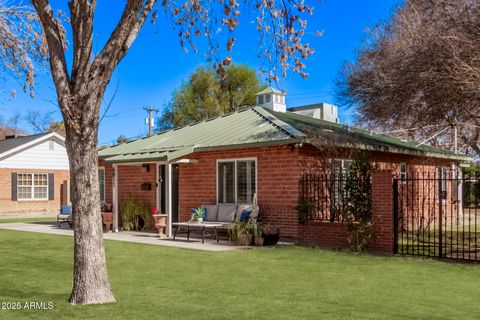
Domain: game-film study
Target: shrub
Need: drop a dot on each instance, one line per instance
(304, 209)
(357, 212)
(135, 212)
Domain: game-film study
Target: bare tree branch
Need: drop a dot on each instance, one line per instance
(421, 69)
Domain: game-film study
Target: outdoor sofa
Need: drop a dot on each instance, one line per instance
(225, 214)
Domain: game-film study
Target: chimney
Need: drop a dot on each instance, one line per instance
(272, 98)
(322, 111)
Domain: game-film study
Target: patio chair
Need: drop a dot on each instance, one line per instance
(65, 216)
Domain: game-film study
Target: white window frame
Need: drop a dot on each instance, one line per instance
(403, 175)
(32, 187)
(104, 189)
(443, 173)
(260, 100)
(343, 177)
(235, 161)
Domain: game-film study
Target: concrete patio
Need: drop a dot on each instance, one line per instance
(195, 243)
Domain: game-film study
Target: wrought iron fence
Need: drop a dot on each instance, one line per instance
(326, 194)
(437, 214)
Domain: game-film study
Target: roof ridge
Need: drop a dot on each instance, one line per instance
(285, 127)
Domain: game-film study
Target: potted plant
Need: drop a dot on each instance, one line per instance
(240, 234)
(257, 235)
(271, 234)
(107, 215)
(198, 214)
(160, 222)
(135, 215)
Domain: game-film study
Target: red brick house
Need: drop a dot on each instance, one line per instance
(262, 151)
(32, 171)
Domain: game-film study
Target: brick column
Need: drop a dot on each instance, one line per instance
(382, 210)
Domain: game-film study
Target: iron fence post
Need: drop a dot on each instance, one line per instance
(395, 216)
(440, 217)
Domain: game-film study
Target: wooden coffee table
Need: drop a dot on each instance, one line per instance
(204, 226)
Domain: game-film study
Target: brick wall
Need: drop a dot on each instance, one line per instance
(382, 212)
(277, 183)
(130, 179)
(8, 206)
(279, 169)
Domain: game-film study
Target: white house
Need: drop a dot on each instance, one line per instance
(34, 172)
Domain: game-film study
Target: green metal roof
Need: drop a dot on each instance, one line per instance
(250, 127)
(348, 136)
(259, 127)
(270, 90)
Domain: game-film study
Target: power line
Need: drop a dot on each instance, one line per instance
(436, 134)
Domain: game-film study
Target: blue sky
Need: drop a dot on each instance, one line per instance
(156, 65)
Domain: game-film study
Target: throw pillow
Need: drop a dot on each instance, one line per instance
(245, 215)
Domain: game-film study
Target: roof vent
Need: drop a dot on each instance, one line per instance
(272, 98)
(322, 111)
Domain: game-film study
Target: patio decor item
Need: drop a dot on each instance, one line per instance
(135, 215)
(271, 234)
(257, 234)
(160, 222)
(107, 220)
(106, 207)
(204, 226)
(240, 233)
(199, 214)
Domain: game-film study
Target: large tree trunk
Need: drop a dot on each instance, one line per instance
(90, 279)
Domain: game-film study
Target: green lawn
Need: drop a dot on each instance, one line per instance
(152, 282)
(15, 220)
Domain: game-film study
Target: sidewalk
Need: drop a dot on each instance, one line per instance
(128, 236)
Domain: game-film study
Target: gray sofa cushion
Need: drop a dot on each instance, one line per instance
(226, 212)
(240, 209)
(212, 211)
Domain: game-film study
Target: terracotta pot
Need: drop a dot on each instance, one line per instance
(258, 241)
(160, 224)
(244, 240)
(107, 220)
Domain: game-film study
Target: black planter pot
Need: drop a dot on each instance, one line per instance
(271, 239)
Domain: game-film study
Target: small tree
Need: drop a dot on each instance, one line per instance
(357, 212)
(81, 84)
(420, 72)
(208, 94)
(58, 127)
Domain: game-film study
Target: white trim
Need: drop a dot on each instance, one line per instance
(168, 200)
(31, 143)
(115, 197)
(115, 168)
(403, 179)
(157, 186)
(185, 161)
(32, 187)
(235, 161)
